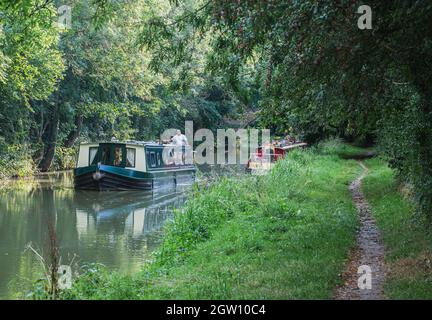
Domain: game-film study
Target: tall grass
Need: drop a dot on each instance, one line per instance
(407, 235)
(336, 146)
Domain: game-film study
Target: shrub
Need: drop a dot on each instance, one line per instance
(65, 158)
(15, 161)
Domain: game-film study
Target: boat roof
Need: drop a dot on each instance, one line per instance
(295, 145)
(131, 142)
(291, 146)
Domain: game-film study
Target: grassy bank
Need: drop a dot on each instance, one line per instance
(280, 236)
(343, 150)
(407, 238)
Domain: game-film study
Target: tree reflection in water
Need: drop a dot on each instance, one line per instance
(117, 229)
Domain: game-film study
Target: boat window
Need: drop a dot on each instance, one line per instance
(130, 157)
(118, 156)
(152, 159)
(92, 155)
(158, 159)
(106, 155)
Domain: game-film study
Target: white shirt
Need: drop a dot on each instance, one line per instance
(179, 140)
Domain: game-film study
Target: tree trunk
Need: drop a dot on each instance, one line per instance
(74, 134)
(39, 132)
(50, 140)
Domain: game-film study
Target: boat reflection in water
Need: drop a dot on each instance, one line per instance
(119, 229)
(136, 214)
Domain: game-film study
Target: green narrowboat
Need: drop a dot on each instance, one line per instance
(132, 165)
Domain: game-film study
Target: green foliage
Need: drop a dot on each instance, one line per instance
(406, 235)
(336, 146)
(15, 161)
(93, 81)
(31, 63)
(65, 158)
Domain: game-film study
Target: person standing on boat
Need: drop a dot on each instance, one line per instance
(180, 141)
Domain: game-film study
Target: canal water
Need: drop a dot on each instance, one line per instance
(117, 229)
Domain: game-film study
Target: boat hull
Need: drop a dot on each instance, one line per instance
(107, 178)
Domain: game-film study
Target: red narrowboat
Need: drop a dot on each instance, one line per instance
(266, 156)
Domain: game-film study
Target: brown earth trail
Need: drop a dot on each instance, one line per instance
(369, 252)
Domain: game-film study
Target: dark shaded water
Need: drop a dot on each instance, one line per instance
(117, 229)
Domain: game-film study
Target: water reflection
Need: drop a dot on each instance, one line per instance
(118, 229)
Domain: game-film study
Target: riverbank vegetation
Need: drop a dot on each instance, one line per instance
(278, 236)
(14, 161)
(407, 237)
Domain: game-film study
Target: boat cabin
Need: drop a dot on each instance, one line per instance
(138, 156)
(132, 163)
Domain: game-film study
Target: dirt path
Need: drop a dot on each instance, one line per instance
(368, 252)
